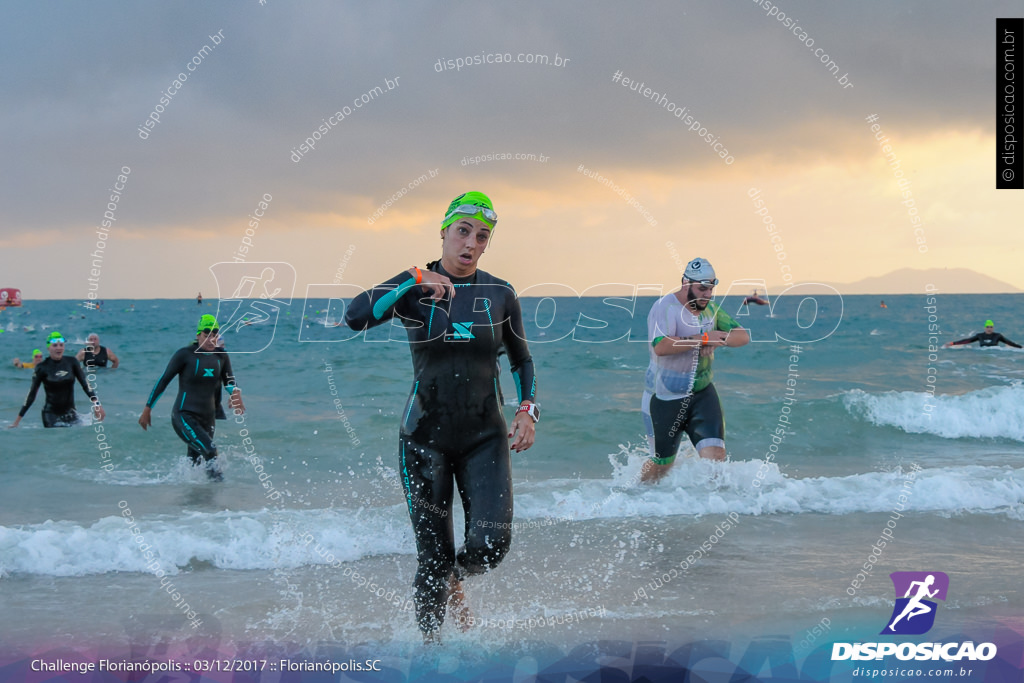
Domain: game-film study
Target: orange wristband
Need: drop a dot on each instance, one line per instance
(704, 339)
(419, 275)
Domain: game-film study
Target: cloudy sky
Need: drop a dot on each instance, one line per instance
(79, 80)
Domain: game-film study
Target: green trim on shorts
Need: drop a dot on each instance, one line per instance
(663, 461)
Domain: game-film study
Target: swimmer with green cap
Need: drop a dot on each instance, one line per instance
(201, 370)
(987, 338)
(466, 230)
(206, 323)
(472, 204)
(57, 375)
(454, 438)
(37, 357)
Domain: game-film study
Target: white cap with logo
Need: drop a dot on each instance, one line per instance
(699, 269)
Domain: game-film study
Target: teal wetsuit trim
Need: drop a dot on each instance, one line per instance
(197, 434)
(412, 398)
(193, 436)
(183, 394)
(405, 481)
(389, 299)
(430, 322)
(519, 387)
(153, 397)
(490, 320)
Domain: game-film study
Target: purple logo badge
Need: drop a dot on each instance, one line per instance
(914, 612)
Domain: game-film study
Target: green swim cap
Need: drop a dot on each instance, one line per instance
(207, 322)
(989, 323)
(54, 336)
(36, 352)
(474, 198)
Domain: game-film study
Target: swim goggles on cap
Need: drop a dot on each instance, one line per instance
(210, 330)
(705, 283)
(472, 210)
(54, 340)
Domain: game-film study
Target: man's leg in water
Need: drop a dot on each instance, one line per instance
(484, 478)
(664, 421)
(706, 426)
(427, 481)
(713, 453)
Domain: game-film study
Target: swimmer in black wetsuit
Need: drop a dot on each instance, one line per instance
(201, 371)
(456, 318)
(987, 338)
(57, 375)
(90, 357)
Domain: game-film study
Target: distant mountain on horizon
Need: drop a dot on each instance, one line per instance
(913, 281)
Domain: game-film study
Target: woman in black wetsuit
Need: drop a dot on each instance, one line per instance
(202, 368)
(57, 375)
(453, 430)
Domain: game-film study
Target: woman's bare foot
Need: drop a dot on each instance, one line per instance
(457, 607)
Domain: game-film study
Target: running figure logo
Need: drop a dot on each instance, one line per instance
(256, 292)
(913, 614)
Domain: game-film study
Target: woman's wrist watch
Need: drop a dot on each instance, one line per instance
(531, 409)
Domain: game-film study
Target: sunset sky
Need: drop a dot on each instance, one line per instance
(79, 80)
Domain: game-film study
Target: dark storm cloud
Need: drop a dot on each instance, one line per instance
(80, 79)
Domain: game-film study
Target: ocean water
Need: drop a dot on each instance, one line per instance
(286, 552)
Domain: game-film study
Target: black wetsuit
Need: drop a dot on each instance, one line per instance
(58, 380)
(987, 339)
(220, 414)
(95, 360)
(452, 425)
(200, 377)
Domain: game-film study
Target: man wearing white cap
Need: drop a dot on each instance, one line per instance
(684, 328)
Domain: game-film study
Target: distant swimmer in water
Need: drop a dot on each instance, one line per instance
(987, 338)
(453, 435)
(755, 299)
(684, 329)
(57, 375)
(199, 299)
(201, 371)
(882, 305)
(915, 607)
(37, 358)
(96, 356)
